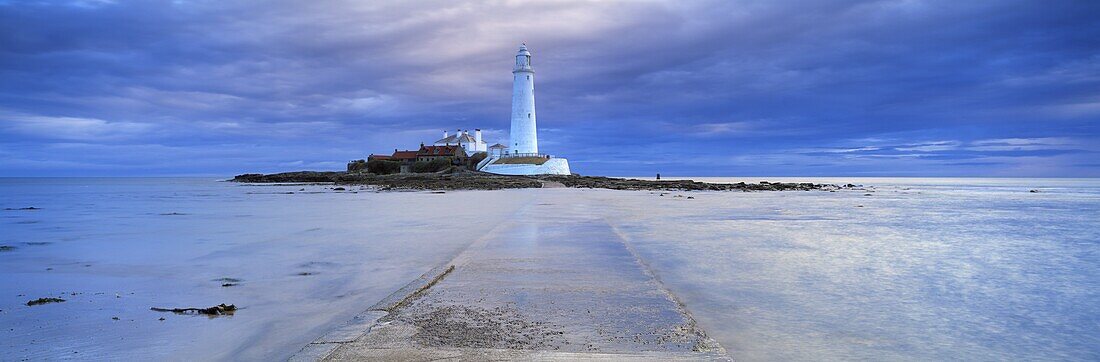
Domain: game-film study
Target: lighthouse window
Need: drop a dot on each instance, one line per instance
(528, 77)
(528, 115)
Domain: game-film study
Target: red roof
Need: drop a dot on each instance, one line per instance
(404, 155)
(438, 150)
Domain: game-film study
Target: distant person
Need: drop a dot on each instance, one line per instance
(658, 175)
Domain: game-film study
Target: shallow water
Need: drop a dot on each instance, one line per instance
(922, 269)
(125, 245)
(926, 269)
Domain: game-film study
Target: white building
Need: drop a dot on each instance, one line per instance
(462, 138)
(521, 156)
(524, 135)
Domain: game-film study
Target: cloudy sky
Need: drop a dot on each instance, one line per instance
(706, 88)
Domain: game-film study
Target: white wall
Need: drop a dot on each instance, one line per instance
(553, 166)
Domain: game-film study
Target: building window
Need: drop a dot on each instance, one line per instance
(528, 115)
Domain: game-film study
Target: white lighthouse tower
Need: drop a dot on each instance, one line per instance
(522, 156)
(524, 135)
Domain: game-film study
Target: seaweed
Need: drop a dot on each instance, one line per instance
(44, 301)
(220, 309)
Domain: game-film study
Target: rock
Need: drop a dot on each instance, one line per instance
(458, 179)
(1034, 191)
(339, 189)
(678, 185)
(22, 208)
(6, 248)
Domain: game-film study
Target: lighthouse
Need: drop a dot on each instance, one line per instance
(524, 135)
(521, 156)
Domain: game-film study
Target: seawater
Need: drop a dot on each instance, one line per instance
(307, 257)
(907, 269)
(903, 269)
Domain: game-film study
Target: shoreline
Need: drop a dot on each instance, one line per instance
(473, 180)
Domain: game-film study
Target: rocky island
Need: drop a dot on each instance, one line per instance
(460, 179)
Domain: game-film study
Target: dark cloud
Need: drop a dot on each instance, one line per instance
(693, 88)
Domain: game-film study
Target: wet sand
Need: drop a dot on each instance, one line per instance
(554, 282)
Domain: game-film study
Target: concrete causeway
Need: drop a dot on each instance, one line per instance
(557, 282)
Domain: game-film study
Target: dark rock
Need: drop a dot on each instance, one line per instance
(458, 179)
(677, 185)
(300, 176)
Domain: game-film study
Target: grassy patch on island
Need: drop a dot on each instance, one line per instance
(521, 161)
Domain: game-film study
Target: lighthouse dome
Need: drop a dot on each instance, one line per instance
(523, 60)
